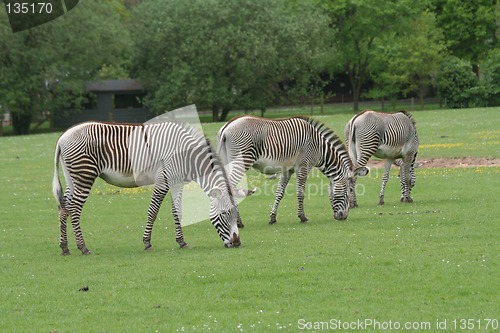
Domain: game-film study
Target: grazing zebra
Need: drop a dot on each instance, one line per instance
(290, 145)
(388, 136)
(166, 154)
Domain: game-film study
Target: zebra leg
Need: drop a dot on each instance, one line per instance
(176, 192)
(75, 207)
(63, 218)
(160, 189)
(236, 170)
(301, 183)
(385, 178)
(280, 191)
(405, 182)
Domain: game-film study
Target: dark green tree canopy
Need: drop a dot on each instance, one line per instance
(469, 27)
(363, 27)
(225, 54)
(44, 69)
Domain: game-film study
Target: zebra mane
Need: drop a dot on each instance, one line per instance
(322, 129)
(330, 137)
(214, 157)
(406, 113)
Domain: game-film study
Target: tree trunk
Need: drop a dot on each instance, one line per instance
(421, 93)
(355, 97)
(21, 123)
(224, 114)
(215, 113)
(356, 88)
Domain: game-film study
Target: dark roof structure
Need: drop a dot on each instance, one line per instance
(122, 85)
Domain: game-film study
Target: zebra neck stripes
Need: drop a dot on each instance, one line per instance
(163, 154)
(292, 145)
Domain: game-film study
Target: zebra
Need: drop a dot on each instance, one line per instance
(287, 146)
(166, 154)
(389, 136)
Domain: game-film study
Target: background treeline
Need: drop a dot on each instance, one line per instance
(253, 54)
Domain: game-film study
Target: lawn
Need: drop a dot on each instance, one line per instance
(433, 264)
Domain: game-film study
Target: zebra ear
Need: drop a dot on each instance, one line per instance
(361, 171)
(215, 193)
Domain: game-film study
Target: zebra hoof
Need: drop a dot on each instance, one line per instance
(147, 245)
(65, 253)
(86, 252)
(272, 220)
(303, 219)
(240, 224)
(406, 199)
(183, 245)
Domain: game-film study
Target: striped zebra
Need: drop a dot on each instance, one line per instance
(166, 154)
(389, 136)
(287, 146)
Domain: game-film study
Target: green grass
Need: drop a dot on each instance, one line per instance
(434, 260)
(442, 133)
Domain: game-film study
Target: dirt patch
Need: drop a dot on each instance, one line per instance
(458, 162)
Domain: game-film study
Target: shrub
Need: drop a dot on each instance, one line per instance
(487, 93)
(456, 81)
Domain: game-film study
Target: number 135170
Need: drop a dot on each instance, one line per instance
(475, 324)
(28, 7)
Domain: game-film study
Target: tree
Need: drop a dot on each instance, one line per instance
(468, 26)
(487, 93)
(43, 69)
(408, 62)
(225, 54)
(362, 26)
(456, 81)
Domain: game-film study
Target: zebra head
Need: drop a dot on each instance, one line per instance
(224, 216)
(337, 191)
(341, 191)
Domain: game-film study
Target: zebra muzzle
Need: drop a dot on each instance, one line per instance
(235, 241)
(340, 215)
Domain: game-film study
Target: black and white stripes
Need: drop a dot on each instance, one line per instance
(166, 154)
(388, 136)
(287, 146)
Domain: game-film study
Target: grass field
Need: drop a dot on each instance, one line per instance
(431, 265)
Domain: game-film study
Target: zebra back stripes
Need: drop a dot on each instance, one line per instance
(292, 145)
(388, 136)
(165, 154)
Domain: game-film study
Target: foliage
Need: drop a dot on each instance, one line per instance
(363, 28)
(487, 93)
(408, 62)
(224, 54)
(455, 81)
(241, 54)
(469, 26)
(44, 69)
(432, 260)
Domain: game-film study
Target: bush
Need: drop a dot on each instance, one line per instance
(487, 93)
(456, 83)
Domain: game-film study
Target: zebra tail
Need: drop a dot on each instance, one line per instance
(222, 149)
(56, 183)
(351, 142)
